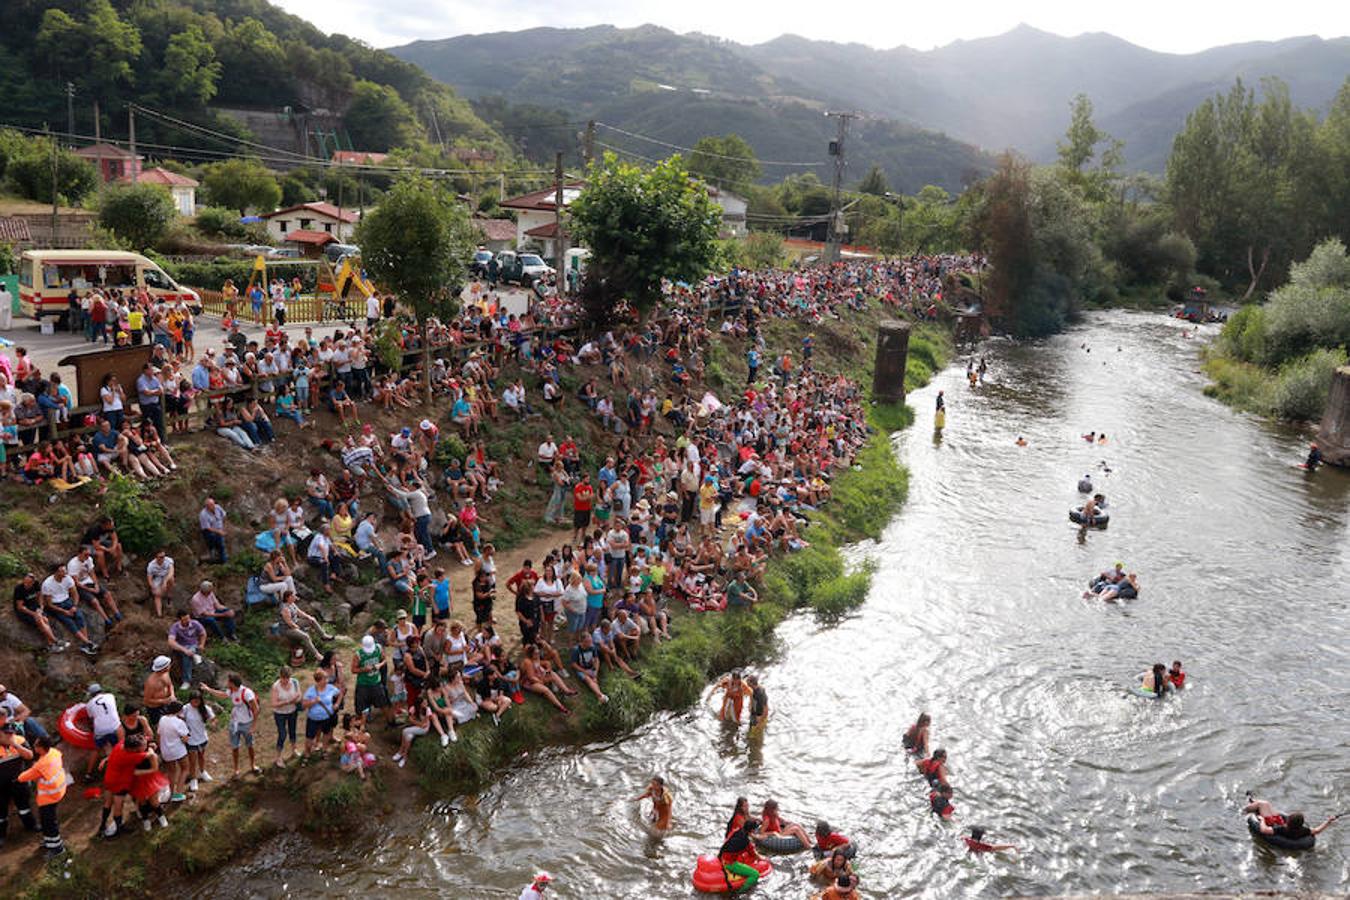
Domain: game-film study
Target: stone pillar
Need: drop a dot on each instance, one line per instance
(888, 375)
(1333, 436)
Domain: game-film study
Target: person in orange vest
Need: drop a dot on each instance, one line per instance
(14, 756)
(50, 774)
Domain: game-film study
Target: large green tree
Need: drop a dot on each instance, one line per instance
(727, 161)
(190, 70)
(418, 243)
(139, 214)
(28, 170)
(379, 119)
(641, 226)
(241, 184)
(97, 52)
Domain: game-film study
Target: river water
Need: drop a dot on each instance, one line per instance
(976, 617)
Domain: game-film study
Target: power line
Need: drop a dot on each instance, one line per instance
(652, 140)
(218, 135)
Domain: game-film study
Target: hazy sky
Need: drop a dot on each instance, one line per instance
(1178, 26)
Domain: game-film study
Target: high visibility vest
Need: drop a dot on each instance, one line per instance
(50, 774)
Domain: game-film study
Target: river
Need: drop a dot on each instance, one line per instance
(976, 616)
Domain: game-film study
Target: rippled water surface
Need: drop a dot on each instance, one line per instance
(976, 617)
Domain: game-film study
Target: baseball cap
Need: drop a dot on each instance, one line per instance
(94, 688)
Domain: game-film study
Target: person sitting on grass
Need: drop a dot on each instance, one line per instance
(586, 665)
(605, 637)
(538, 678)
(214, 615)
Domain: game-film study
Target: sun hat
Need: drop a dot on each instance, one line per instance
(368, 644)
(160, 664)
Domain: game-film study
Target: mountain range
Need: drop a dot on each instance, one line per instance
(931, 116)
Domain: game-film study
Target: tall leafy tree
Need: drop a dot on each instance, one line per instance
(190, 70)
(641, 226)
(241, 184)
(418, 243)
(139, 214)
(727, 161)
(379, 119)
(874, 182)
(96, 52)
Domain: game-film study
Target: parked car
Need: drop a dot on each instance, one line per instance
(337, 252)
(521, 267)
(481, 258)
(284, 253)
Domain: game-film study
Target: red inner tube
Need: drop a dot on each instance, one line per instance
(75, 728)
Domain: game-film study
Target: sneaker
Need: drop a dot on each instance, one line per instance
(401, 762)
(177, 798)
(163, 823)
(89, 649)
(398, 757)
(206, 776)
(145, 824)
(466, 562)
(604, 698)
(192, 785)
(445, 740)
(431, 555)
(454, 737)
(185, 686)
(110, 830)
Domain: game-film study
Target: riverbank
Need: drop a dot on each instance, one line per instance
(230, 818)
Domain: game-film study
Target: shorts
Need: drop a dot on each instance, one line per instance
(241, 733)
(371, 696)
(105, 740)
(315, 727)
(581, 518)
(550, 614)
(197, 748)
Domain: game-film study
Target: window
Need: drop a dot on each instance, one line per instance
(328, 227)
(304, 223)
(154, 278)
(284, 225)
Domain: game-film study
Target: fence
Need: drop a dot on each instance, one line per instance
(307, 309)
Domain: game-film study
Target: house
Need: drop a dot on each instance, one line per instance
(112, 162)
(496, 234)
(310, 243)
(358, 158)
(182, 188)
(473, 154)
(733, 211)
(536, 214)
(315, 216)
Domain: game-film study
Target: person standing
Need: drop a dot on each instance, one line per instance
(244, 710)
(49, 771)
(172, 733)
(158, 691)
(372, 311)
(14, 755)
(285, 701)
(583, 497)
(150, 394)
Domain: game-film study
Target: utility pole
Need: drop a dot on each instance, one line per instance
(70, 110)
(557, 221)
(131, 138)
(837, 226)
(55, 216)
(98, 132)
(588, 144)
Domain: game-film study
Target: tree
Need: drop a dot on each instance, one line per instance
(379, 119)
(100, 49)
(190, 69)
(30, 171)
(874, 182)
(418, 242)
(641, 226)
(241, 184)
(727, 162)
(139, 214)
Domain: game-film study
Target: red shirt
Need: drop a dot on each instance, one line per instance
(119, 773)
(582, 495)
(832, 840)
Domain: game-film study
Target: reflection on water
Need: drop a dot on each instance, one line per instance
(976, 617)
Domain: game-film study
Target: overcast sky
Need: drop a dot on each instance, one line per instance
(1178, 26)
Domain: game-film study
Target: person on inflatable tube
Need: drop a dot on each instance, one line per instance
(1291, 828)
(738, 854)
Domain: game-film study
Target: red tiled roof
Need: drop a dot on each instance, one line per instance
(318, 238)
(158, 175)
(103, 151)
(541, 200)
(14, 229)
(358, 158)
(496, 229)
(319, 207)
(543, 231)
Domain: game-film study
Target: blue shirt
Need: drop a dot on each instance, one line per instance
(201, 376)
(442, 596)
(607, 476)
(147, 383)
(324, 710)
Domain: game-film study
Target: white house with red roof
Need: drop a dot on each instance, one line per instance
(536, 213)
(316, 218)
(182, 188)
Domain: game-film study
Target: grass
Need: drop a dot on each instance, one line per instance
(1296, 391)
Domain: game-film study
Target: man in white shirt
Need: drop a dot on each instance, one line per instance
(548, 451)
(81, 567)
(61, 601)
(244, 709)
(372, 310)
(102, 709)
(159, 577)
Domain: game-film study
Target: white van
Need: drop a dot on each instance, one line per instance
(46, 278)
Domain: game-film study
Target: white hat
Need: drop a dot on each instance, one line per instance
(368, 644)
(426, 425)
(160, 664)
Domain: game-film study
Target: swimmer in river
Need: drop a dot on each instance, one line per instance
(1292, 827)
(975, 842)
(1155, 681)
(915, 740)
(828, 841)
(1021, 441)
(1090, 437)
(940, 801)
(663, 803)
(734, 691)
(982, 370)
(1101, 438)
(738, 855)
(1176, 676)
(1090, 509)
(772, 823)
(941, 403)
(759, 704)
(1314, 458)
(832, 867)
(537, 887)
(935, 768)
(1126, 588)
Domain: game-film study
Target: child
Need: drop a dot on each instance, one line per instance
(1176, 676)
(355, 757)
(197, 714)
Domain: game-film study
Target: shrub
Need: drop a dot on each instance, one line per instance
(449, 448)
(832, 599)
(11, 566)
(807, 568)
(141, 522)
(138, 213)
(1304, 385)
(1244, 335)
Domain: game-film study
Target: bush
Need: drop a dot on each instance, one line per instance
(140, 214)
(218, 221)
(1244, 335)
(449, 448)
(832, 599)
(211, 275)
(141, 522)
(1301, 392)
(11, 566)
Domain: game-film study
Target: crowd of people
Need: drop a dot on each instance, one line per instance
(680, 506)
